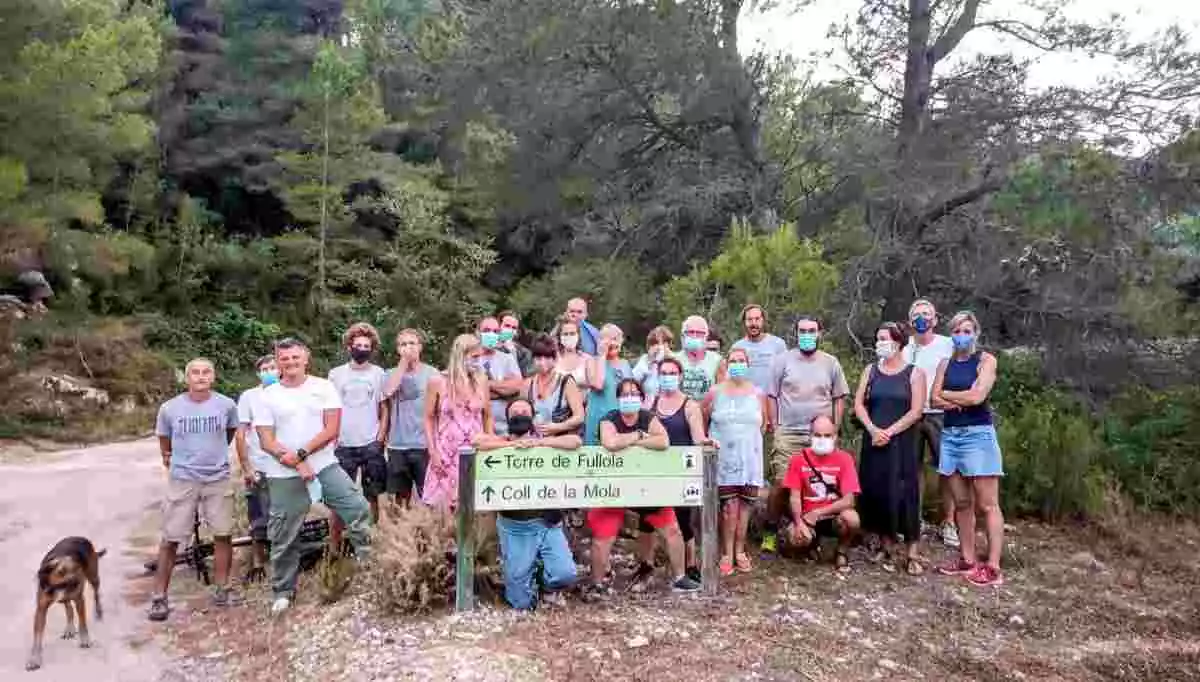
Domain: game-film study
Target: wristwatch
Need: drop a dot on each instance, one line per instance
(302, 454)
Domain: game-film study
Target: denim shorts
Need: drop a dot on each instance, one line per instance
(970, 451)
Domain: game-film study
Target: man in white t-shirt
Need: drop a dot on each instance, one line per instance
(364, 425)
(297, 421)
(926, 349)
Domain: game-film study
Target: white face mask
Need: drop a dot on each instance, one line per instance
(822, 446)
(570, 341)
(886, 349)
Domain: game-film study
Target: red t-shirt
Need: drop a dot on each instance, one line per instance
(837, 468)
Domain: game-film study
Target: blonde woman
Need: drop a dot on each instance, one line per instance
(572, 361)
(456, 410)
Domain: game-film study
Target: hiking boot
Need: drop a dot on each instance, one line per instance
(641, 577)
(685, 584)
(599, 590)
(223, 596)
(950, 535)
(986, 576)
(159, 610)
(959, 566)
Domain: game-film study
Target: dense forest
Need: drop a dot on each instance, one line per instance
(200, 176)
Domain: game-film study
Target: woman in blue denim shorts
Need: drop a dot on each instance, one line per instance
(970, 453)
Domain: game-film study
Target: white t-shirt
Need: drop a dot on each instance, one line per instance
(248, 405)
(928, 358)
(361, 391)
(298, 415)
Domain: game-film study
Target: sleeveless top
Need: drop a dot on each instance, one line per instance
(644, 417)
(543, 408)
(679, 432)
(698, 377)
(960, 376)
(736, 424)
(889, 396)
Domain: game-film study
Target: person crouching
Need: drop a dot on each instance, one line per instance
(528, 536)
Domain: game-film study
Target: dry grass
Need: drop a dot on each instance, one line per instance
(412, 561)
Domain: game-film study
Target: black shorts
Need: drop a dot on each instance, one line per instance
(406, 471)
(368, 459)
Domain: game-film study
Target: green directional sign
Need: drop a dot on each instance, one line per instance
(547, 478)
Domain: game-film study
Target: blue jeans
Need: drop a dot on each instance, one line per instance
(522, 543)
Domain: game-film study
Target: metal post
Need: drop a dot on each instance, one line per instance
(464, 570)
(710, 550)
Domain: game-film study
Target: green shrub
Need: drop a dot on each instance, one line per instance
(1153, 440)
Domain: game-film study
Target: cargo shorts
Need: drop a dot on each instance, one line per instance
(213, 500)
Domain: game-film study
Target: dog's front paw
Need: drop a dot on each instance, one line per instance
(85, 642)
(69, 633)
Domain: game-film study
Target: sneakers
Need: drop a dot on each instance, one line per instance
(280, 605)
(986, 576)
(685, 584)
(600, 590)
(159, 610)
(959, 566)
(949, 535)
(641, 577)
(769, 543)
(223, 596)
(693, 572)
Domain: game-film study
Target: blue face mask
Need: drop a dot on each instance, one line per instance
(693, 343)
(964, 341)
(268, 378)
(668, 383)
(738, 370)
(489, 339)
(921, 324)
(629, 404)
(807, 342)
(507, 335)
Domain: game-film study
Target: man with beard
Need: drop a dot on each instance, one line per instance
(761, 346)
(804, 383)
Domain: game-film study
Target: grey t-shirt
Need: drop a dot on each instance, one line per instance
(500, 366)
(361, 391)
(762, 354)
(805, 387)
(408, 408)
(199, 433)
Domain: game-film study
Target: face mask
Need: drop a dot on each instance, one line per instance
(570, 341)
(822, 446)
(964, 341)
(268, 378)
(668, 383)
(489, 339)
(507, 334)
(885, 349)
(693, 343)
(807, 342)
(921, 324)
(738, 370)
(520, 424)
(359, 355)
(629, 404)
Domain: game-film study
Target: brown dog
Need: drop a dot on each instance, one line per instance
(60, 579)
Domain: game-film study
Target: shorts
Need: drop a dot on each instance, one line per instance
(970, 451)
(406, 470)
(606, 522)
(683, 516)
(929, 434)
(825, 528)
(748, 493)
(258, 509)
(213, 501)
(786, 445)
(369, 459)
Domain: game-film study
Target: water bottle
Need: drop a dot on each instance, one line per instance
(314, 490)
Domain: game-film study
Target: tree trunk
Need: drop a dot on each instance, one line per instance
(918, 73)
(324, 207)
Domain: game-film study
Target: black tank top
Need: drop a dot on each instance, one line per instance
(678, 430)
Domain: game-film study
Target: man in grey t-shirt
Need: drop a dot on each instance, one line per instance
(194, 430)
(363, 427)
(404, 391)
(761, 347)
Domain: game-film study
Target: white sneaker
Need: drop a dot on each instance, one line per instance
(950, 535)
(280, 605)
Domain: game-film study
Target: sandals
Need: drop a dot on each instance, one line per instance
(742, 562)
(726, 566)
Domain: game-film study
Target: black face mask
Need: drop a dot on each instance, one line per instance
(360, 356)
(520, 424)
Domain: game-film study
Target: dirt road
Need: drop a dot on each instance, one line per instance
(102, 493)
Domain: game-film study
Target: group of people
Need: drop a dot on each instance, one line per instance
(774, 414)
